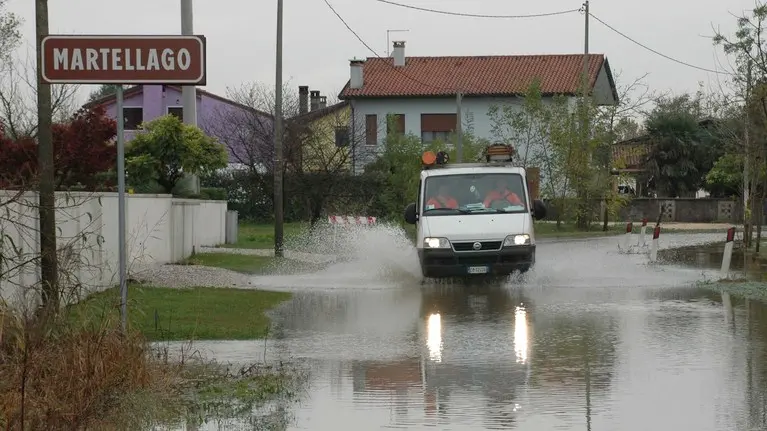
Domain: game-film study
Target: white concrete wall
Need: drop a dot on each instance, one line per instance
(160, 230)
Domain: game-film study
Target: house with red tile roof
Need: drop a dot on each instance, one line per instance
(418, 94)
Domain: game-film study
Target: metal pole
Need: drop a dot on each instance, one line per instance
(189, 92)
(586, 52)
(388, 43)
(45, 160)
(121, 251)
(278, 198)
(459, 128)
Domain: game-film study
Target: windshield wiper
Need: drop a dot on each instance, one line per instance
(460, 210)
(501, 210)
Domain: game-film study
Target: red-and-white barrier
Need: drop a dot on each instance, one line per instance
(351, 220)
(348, 221)
(728, 246)
(627, 238)
(642, 232)
(654, 245)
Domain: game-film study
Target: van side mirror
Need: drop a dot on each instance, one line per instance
(539, 209)
(410, 214)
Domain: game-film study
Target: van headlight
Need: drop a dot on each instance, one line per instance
(436, 243)
(515, 240)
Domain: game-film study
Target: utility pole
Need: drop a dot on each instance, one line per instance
(46, 170)
(583, 195)
(278, 130)
(189, 92)
(585, 81)
(458, 128)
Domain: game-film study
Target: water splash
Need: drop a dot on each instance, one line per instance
(597, 263)
(354, 257)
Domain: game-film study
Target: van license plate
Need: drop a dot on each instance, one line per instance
(478, 270)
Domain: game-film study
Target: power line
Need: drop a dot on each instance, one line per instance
(683, 63)
(541, 15)
(471, 15)
(362, 41)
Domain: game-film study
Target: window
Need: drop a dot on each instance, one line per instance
(395, 124)
(133, 117)
(428, 137)
(342, 136)
(437, 127)
(476, 193)
(371, 129)
(177, 111)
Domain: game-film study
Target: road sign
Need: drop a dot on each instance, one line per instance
(124, 59)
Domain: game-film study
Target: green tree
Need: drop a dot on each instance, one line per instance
(168, 148)
(725, 178)
(683, 151)
(548, 135)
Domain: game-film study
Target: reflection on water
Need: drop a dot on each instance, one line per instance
(621, 353)
(520, 334)
(531, 359)
(710, 257)
(434, 337)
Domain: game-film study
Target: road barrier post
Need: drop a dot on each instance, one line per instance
(654, 244)
(642, 232)
(627, 237)
(728, 246)
(336, 220)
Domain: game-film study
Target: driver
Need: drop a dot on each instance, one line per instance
(502, 193)
(442, 200)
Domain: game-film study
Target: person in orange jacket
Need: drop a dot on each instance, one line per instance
(502, 193)
(442, 200)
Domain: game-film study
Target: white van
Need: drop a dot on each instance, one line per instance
(474, 218)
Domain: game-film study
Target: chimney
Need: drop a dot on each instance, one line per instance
(356, 80)
(315, 98)
(323, 102)
(303, 99)
(399, 53)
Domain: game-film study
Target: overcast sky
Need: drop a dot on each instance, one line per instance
(241, 34)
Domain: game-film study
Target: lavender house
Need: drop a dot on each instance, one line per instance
(245, 131)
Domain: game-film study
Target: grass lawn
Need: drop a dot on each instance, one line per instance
(261, 236)
(568, 230)
(249, 264)
(244, 263)
(201, 313)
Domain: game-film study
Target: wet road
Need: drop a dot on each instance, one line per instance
(591, 340)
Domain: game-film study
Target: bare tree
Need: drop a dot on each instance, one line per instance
(248, 130)
(327, 146)
(10, 36)
(18, 98)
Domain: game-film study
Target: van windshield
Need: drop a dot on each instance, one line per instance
(474, 194)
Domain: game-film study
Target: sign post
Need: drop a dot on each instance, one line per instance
(120, 60)
(121, 252)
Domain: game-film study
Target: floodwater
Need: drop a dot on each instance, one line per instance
(592, 339)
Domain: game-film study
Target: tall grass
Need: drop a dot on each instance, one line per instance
(59, 375)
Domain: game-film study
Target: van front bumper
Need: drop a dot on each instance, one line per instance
(449, 263)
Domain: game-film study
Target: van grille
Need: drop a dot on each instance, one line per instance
(469, 246)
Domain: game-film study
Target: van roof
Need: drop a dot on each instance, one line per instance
(472, 168)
